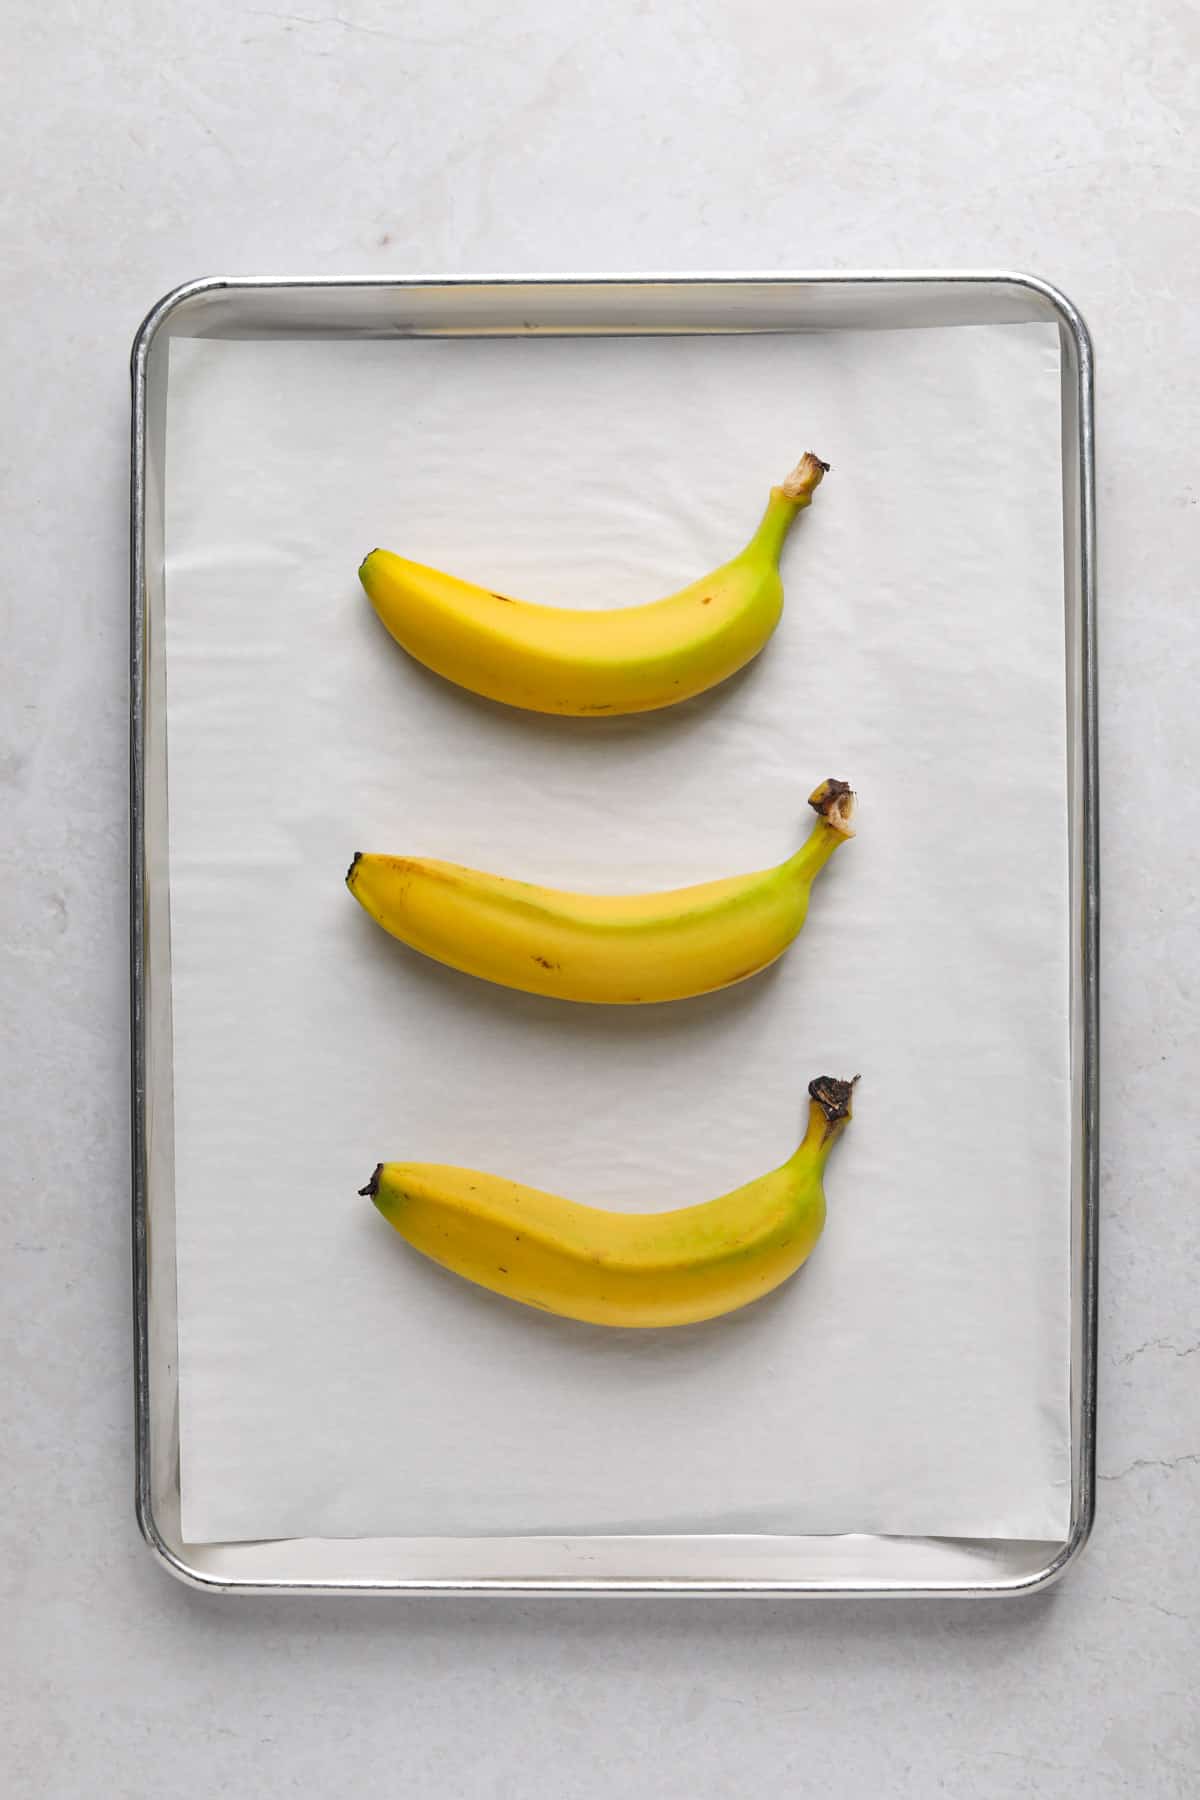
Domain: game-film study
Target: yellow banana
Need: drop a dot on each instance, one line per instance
(607, 949)
(632, 659)
(612, 1268)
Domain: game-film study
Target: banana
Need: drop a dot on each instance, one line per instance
(606, 949)
(612, 1268)
(612, 660)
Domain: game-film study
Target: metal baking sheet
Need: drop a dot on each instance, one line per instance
(694, 305)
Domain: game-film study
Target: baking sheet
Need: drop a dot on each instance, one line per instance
(912, 1379)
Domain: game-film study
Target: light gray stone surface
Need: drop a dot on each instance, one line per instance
(146, 144)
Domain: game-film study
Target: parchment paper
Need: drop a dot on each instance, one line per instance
(913, 1378)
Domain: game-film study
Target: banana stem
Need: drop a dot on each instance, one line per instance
(807, 476)
(833, 802)
(793, 494)
(830, 1107)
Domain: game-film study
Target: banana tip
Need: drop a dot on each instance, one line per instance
(834, 1096)
(834, 800)
(372, 1188)
(358, 855)
(807, 475)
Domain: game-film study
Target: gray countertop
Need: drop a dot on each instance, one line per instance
(151, 144)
